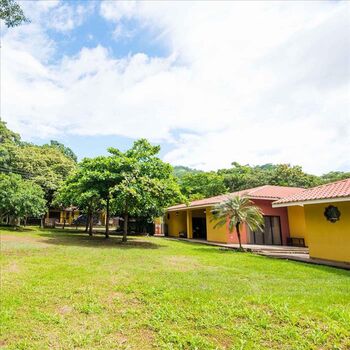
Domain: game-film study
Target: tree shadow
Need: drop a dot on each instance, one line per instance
(96, 241)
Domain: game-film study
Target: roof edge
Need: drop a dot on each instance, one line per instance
(311, 201)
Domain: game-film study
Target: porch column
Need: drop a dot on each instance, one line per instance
(189, 223)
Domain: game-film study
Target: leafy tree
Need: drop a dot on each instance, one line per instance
(241, 177)
(147, 184)
(100, 175)
(64, 149)
(286, 175)
(180, 170)
(134, 182)
(238, 211)
(12, 13)
(202, 185)
(20, 198)
(6, 135)
(47, 166)
(335, 176)
(74, 191)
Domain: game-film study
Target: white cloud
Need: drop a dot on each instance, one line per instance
(248, 82)
(54, 14)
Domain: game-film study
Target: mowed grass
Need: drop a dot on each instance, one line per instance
(65, 290)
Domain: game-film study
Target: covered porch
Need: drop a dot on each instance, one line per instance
(195, 223)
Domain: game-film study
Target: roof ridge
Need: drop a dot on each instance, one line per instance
(254, 189)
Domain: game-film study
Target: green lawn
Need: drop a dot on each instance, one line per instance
(64, 290)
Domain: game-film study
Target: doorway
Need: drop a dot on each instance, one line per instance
(271, 233)
(199, 228)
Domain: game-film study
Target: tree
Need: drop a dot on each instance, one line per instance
(74, 192)
(335, 176)
(12, 13)
(236, 211)
(287, 175)
(64, 149)
(102, 174)
(147, 185)
(180, 170)
(47, 166)
(20, 198)
(241, 177)
(202, 185)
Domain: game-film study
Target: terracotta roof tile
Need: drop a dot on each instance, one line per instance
(261, 192)
(332, 190)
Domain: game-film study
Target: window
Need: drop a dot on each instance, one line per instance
(271, 233)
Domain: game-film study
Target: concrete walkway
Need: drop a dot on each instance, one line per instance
(300, 254)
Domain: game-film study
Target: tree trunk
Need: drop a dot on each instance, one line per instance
(107, 219)
(64, 223)
(87, 220)
(239, 236)
(42, 221)
(91, 223)
(125, 233)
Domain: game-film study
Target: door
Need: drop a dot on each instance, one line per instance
(199, 228)
(271, 233)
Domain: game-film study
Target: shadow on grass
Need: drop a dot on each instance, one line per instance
(96, 241)
(8, 228)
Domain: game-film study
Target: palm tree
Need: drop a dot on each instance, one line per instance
(237, 211)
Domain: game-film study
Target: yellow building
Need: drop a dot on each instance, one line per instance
(195, 220)
(321, 216)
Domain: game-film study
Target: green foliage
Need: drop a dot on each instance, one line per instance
(12, 13)
(238, 211)
(335, 176)
(241, 177)
(135, 182)
(46, 165)
(64, 149)
(200, 185)
(147, 185)
(180, 170)
(197, 184)
(20, 198)
(6, 135)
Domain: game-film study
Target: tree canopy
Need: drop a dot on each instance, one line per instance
(47, 165)
(198, 185)
(20, 198)
(132, 183)
(11, 13)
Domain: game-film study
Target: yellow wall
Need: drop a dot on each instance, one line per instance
(217, 234)
(176, 223)
(183, 223)
(297, 226)
(330, 241)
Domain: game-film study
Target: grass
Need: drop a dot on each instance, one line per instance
(65, 290)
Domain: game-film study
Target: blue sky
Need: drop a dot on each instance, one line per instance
(212, 83)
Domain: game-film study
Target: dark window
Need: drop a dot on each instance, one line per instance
(271, 233)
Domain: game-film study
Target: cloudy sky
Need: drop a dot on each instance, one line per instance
(253, 82)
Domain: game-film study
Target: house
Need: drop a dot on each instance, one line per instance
(195, 220)
(321, 215)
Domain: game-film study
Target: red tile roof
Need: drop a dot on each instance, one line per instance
(262, 192)
(338, 189)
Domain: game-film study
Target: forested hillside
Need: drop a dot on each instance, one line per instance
(196, 184)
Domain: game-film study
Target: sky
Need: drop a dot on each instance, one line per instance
(211, 82)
